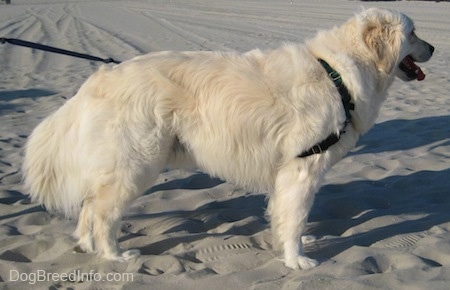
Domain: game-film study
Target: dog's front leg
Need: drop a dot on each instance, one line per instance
(289, 206)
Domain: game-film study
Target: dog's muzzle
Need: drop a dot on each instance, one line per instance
(409, 67)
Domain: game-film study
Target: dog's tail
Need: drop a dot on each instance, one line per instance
(52, 173)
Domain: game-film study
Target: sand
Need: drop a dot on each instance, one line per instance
(381, 221)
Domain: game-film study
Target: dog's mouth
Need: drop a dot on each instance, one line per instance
(411, 70)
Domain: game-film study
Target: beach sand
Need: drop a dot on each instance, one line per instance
(381, 220)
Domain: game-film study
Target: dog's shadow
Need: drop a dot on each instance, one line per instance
(244, 214)
(396, 135)
(339, 209)
(196, 181)
(351, 211)
(241, 215)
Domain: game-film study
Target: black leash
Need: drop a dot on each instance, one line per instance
(55, 50)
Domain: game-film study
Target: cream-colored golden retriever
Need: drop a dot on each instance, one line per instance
(272, 121)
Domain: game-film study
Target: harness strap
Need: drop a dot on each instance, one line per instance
(342, 89)
(348, 106)
(322, 146)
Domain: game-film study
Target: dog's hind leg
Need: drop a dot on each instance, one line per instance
(289, 206)
(99, 220)
(111, 194)
(84, 231)
(102, 212)
(108, 205)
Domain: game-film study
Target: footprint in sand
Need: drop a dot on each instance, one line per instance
(161, 264)
(401, 241)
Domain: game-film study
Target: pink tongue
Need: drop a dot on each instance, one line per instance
(410, 63)
(420, 75)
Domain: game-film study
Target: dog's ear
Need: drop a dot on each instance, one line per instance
(382, 39)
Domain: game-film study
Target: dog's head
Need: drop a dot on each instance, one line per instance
(396, 48)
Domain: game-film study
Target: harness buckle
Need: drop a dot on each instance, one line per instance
(335, 76)
(317, 149)
(337, 79)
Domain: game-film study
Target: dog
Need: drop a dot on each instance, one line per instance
(271, 121)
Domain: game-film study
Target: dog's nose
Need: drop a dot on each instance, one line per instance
(431, 48)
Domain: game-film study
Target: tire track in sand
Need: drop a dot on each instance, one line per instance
(100, 40)
(189, 38)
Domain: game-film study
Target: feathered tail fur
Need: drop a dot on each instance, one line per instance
(51, 170)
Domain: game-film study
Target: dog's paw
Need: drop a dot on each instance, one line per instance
(301, 262)
(85, 244)
(130, 254)
(308, 239)
(123, 256)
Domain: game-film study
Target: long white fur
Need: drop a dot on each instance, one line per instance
(241, 117)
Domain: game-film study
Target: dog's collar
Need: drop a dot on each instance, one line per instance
(348, 105)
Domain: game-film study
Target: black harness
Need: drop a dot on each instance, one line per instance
(348, 105)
